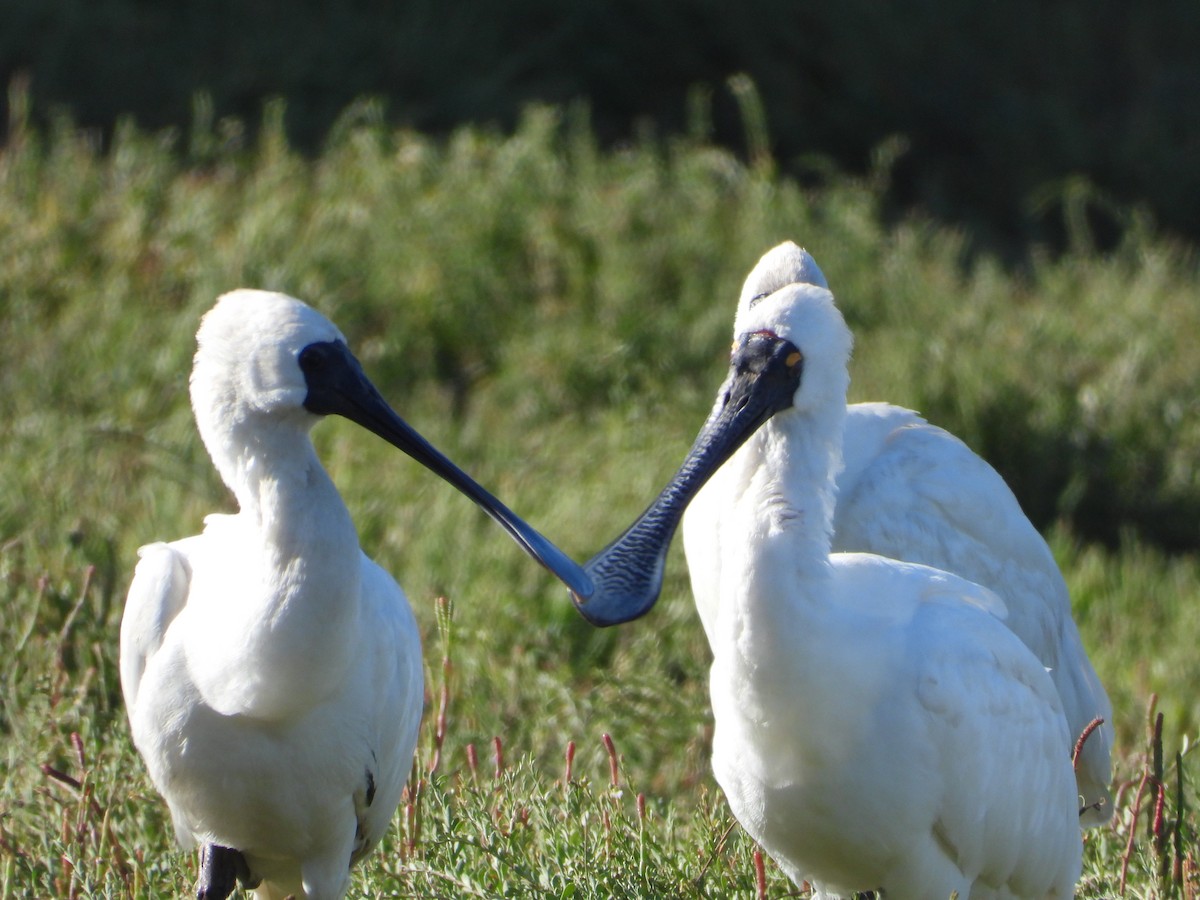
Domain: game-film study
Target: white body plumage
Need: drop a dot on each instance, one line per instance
(272, 672)
(877, 725)
(911, 491)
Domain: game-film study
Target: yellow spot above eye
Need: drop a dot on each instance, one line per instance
(793, 359)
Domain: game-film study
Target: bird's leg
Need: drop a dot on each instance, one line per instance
(221, 868)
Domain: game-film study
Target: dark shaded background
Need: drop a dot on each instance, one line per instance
(1005, 108)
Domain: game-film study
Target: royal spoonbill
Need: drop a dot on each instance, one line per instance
(271, 671)
(914, 492)
(877, 727)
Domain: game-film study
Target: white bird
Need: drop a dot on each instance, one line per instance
(271, 671)
(914, 492)
(877, 727)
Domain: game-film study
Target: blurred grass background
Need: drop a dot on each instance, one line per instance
(549, 299)
(1004, 107)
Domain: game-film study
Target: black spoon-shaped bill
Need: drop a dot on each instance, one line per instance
(337, 385)
(627, 575)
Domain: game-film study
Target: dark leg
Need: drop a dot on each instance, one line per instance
(221, 868)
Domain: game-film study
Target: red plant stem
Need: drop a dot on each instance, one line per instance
(1128, 854)
(570, 762)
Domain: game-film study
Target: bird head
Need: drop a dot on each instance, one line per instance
(266, 361)
(790, 354)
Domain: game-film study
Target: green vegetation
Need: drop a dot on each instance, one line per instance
(1004, 107)
(554, 316)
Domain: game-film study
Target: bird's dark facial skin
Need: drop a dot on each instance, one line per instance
(337, 385)
(765, 365)
(333, 376)
(764, 375)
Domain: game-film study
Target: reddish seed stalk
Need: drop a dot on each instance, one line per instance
(499, 748)
(1087, 733)
(413, 812)
(77, 743)
(61, 777)
(1156, 782)
(760, 875)
(439, 731)
(473, 761)
(612, 758)
(1135, 808)
(1078, 751)
(1177, 868)
(410, 818)
(443, 707)
(1160, 804)
(1152, 777)
(570, 763)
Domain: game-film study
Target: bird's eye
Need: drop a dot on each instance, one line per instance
(758, 297)
(312, 359)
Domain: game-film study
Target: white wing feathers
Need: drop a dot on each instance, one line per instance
(158, 592)
(988, 704)
(914, 492)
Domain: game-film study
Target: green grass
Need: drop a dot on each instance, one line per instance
(554, 317)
